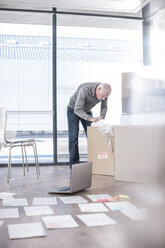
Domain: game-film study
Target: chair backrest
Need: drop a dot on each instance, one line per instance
(3, 119)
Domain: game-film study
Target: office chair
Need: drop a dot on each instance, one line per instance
(23, 143)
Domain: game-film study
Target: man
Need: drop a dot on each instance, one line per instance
(79, 109)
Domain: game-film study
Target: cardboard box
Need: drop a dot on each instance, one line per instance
(139, 153)
(99, 152)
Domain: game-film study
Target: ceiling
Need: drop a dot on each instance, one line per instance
(121, 6)
(104, 7)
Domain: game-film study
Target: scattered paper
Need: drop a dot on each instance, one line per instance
(28, 230)
(96, 219)
(14, 202)
(136, 214)
(45, 201)
(93, 207)
(38, 210)
(99, 197)
(1, 223)
(72, 199)
(61, 221)
(119, 205)
(6, 195)
(9, 213)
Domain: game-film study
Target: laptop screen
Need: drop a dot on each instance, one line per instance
(81, 176)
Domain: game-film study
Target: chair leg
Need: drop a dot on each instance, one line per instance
(37, 157)
(27, 167)
(23, 160)
(35, 161)
(9, 165)
(24, 156)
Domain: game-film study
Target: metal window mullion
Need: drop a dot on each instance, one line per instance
(146, 35)
(54, 89)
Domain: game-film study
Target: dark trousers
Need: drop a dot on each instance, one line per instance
(73, 132)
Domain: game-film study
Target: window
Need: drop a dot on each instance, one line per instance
(92, 49)
(26, 81)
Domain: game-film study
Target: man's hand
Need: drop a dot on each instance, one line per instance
(96, 119)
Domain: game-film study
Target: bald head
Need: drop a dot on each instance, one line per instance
(103, 91)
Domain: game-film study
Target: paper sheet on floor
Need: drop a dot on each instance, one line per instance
(27, 230)
(1, 222)
(45, 201)
(6, 195)
(72, 199)
(96, 219)
(99, 196)
(38, 210)
(119, 205)
(92, 207)
(136, 214)
(61, 221)
(14, 202)
(9, 213)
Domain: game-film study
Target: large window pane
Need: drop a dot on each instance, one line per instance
(26, 81)
(92, 49)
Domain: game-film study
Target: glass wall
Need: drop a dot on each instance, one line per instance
(93, 49)
(26, 81)
(89, 49)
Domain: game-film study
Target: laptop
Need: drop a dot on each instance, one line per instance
(80, 179)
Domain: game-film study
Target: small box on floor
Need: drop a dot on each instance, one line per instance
(99, 152)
